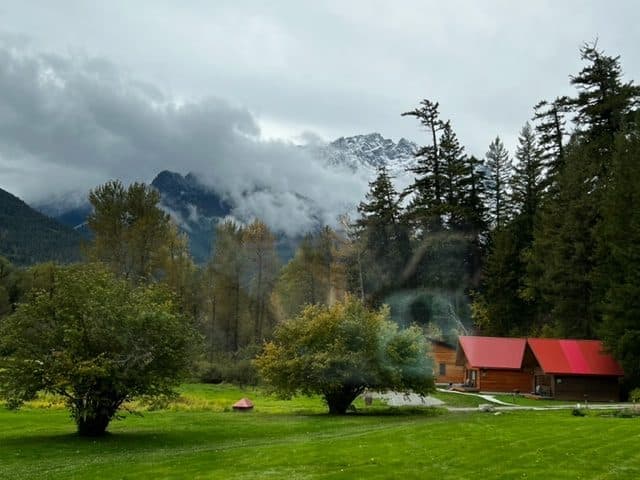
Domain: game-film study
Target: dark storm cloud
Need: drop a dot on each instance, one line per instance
(68, 123)
(347, 67)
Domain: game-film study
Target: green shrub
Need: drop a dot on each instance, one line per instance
(627, 413)
(578, 412)
(634, 395)
(235, 368)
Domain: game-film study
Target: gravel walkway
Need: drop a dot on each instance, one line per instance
(399, 399)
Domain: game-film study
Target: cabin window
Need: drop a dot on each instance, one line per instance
(443, 369)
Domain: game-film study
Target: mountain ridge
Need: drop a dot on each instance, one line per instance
(28, 236)
(197, 207)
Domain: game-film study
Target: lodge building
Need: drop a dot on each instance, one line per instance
(446, 370)
(558, 368)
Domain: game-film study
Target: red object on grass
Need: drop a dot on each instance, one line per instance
(573, 357)
(243, 404)
(493, 352)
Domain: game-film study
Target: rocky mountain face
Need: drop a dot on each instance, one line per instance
(368, 152)
(194, 207)
(27, 236)
(197, 208)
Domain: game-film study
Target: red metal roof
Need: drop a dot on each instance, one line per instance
(493, 352)
(573, 357)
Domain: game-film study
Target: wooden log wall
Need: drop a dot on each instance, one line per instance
(505, 381)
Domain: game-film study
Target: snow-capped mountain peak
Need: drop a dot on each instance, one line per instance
(368, 152)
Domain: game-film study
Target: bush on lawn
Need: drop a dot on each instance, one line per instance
(340, 351)
(96, 341)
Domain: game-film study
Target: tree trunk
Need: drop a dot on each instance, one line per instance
(340, 400)
(258, 319)
(236, 316)
(212, 330)
(93, 426)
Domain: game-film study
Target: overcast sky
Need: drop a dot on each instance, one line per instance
(93, 89)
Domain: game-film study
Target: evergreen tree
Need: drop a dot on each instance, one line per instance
(463, 208)
(455, 176)
(427, 188)
(385, 238)
(475, 217)
(448, 215)
(619, 246)
(561, 267)
(506, 311)
(551, 130)
(475, 195)
(564, 250)
(604, 101)
(527, 182)
(499, 172)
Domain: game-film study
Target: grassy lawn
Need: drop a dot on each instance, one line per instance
(196, 438)
(532, 402)
(458, 399)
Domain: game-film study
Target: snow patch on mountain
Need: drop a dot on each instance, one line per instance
(364, 154)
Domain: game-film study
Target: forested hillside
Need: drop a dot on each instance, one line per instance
(28, 237)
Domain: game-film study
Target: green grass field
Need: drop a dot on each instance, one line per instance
(198, 437)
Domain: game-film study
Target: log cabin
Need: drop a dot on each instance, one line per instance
(494, 364)
(445, 370)
(575, 370)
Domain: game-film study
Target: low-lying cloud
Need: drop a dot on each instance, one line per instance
(71, 122)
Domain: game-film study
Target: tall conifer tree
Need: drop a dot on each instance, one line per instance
(551, 130)
(527, 182)
(499, 172)
(507, 313)
(427, 188)
(385, 236)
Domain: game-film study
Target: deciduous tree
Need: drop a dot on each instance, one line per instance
(340, 351)
(96, 341)
(130, 231)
